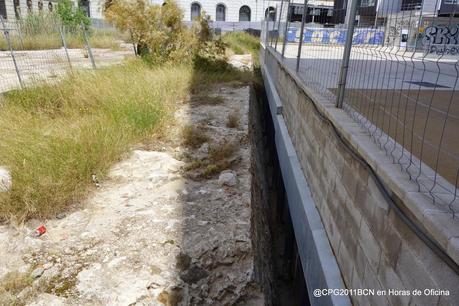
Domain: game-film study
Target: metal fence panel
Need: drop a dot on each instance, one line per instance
(43, 50)
(401, 85)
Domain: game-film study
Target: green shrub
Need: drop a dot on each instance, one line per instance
(71, 17)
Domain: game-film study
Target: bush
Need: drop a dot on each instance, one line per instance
(160, 35)
(71, 17)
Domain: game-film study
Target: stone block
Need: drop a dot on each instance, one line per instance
(346, 264)
(349, 181)
(357, 282)
(414, 275)
(369, 246)
(361, 263)
(371, 282)
(390, 243)
(390, 280)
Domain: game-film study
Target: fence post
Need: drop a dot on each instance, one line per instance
(64, 44)
(88, 47)
(278, 24)
(274, 26)
(346, 54)
(10, 46)
(286, 29)
(300, 45)
(133, 43)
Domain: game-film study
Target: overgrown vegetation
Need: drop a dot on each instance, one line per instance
(71, 17)
(41, 31)
(160, 35)
(193, 136)
(233, 120)
(242, 43)
(12, 284)
(55, 137)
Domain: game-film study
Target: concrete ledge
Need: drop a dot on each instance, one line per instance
(319, 264)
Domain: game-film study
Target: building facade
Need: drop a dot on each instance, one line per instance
(16, 9)
(223, 10)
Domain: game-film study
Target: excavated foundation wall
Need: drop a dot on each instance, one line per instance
(277, 267)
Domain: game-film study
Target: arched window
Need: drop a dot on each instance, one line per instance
(50, 6)
(195, 10)
(270, 14)
(244, 13)
(29, 6)
(17, 9)
(221, 13)
(40, 5)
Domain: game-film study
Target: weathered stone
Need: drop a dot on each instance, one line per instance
(183, 261)
(5, 180)
(227, 178)
(37, 272)
(194, 274)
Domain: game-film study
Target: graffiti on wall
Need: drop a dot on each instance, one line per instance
(337, 36)
(441, 39)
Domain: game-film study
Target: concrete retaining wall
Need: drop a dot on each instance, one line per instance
(374, 248)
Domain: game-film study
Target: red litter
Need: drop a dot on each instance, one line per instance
(40, 231)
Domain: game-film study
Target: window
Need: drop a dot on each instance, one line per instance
(17, 9)
(29, 6)
(270, 14)
(450, 2)
(84, 6)
(40, 5)
(244, 13)
(367, 3)
(195, 10)
(50, 6)
(221, 13)
(3, 9)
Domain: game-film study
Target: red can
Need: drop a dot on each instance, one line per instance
(40, 231)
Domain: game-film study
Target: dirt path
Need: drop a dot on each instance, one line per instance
(157, 232)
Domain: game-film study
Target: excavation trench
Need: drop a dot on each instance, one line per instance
(170, 226)
(277, 265)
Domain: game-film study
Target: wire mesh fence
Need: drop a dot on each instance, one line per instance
(398, 77)
(41, 49)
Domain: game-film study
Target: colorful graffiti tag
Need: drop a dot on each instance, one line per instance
(441, 39)
(337, 36)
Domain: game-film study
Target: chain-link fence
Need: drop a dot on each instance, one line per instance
(41, 49)
(394, 69)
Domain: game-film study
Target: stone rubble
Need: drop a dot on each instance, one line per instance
(5, 180)
(150, 234)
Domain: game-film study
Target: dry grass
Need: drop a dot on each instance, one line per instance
(233, 120)
(193, 136)
(219, 159)
(12, 284)
(97, 39)
(203, 98)
(55, 136)
(241, 42)
(221, 151)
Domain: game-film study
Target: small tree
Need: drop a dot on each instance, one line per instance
(72, 17)
(157, 30)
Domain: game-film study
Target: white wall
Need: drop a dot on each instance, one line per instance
(232, 8)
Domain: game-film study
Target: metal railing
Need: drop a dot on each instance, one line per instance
(44, 50)
(396, 74)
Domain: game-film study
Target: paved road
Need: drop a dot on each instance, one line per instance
(380, 68)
